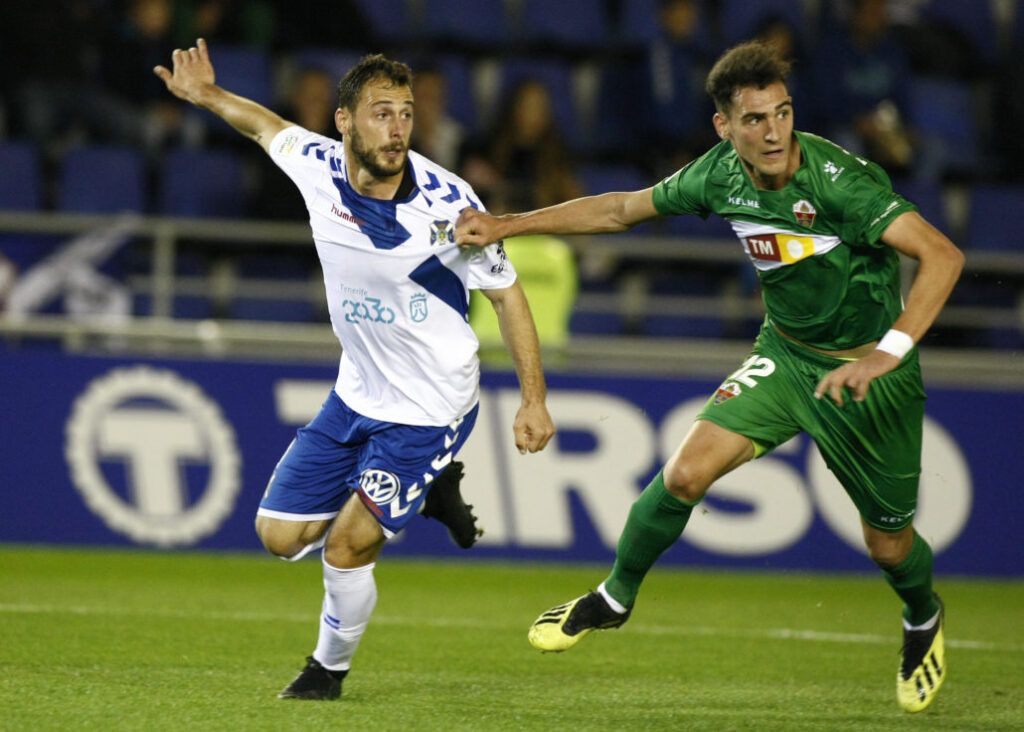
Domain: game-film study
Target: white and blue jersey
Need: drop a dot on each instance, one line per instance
(397, 285)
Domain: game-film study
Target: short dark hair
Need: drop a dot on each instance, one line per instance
(370, 68)
(749, 64)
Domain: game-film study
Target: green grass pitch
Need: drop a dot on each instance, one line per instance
(118, 640)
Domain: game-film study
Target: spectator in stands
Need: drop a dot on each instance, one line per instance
(676, 110)
(311, 105)
(139, 41)
(436, 134)
(523, 163)
(861, 86)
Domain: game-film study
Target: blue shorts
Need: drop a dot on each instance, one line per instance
(389, 466)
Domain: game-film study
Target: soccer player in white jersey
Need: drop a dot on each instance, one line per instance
(397, 287)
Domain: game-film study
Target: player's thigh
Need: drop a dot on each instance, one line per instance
(313, 478)
(874, 446)
(750, 413)
(286, 538)
(708, 452)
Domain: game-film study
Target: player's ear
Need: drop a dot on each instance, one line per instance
(721, 123)
(342, 120)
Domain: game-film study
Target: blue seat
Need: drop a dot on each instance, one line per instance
(245, 71)
(458, 72)
(739, 19)
(604, 178)
(21, 181)
(482, 22)
(975, 20)
(97, 179)
(389, 18)
(334, 62)
(942, 112)
(991, 223)
(201, 183)
(580, 22)
(713, 227)
(638, 23)
(928, 197)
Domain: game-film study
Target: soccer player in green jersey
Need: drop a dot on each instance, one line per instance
(835, 357)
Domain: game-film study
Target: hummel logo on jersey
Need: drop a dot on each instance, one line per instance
(749, 202)
(832, 171)
(346, 216)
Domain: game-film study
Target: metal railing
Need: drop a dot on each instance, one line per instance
(159, 333)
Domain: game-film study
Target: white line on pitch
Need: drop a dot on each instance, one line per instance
(666, 630)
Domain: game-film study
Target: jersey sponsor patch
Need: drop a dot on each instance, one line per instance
(769, 248)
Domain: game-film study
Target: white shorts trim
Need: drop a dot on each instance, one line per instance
(295, 516)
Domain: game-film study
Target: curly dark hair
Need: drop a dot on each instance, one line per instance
(370, 68)
(749, 64)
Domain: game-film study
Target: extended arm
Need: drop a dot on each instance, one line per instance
(533, 426)
(940, 263)
(608, 212)
(193, 80)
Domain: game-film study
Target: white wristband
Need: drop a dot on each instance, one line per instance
(896, 342)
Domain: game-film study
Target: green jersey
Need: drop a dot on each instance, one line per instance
(826, 278)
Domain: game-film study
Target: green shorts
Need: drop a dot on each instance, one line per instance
(873, 447)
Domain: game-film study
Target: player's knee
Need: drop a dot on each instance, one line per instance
(281, 541)
(686, 481)
(887, 551)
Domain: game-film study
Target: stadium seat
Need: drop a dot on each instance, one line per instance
(612, 130)
(337, 63)
(975, 20)
(580, 22)
(928, 197)
(245, 71)
(21, 182)
(96, 179)
(458, 72)
(739, 19)
(942, 112)
(991, 220)
(482, 23)
(389, 18)
(713, 227)
(604, 178)
(201, 183)
(638, 23)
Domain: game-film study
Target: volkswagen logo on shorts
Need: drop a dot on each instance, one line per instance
(380, 486)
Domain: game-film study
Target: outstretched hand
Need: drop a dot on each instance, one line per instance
(193, 72)
(855, 376)
(476, 228)
(532, 428)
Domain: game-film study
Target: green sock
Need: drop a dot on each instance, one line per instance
(912, 581)
(655, 521)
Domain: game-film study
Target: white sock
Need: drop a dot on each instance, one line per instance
(349, 597)
(612, 602)
(927, 625)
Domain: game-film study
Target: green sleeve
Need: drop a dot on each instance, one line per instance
(868, 205)
(683, 192)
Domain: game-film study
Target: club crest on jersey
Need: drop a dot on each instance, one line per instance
(804, 212)
(727, 391)
(442, 232)
(418, 308)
